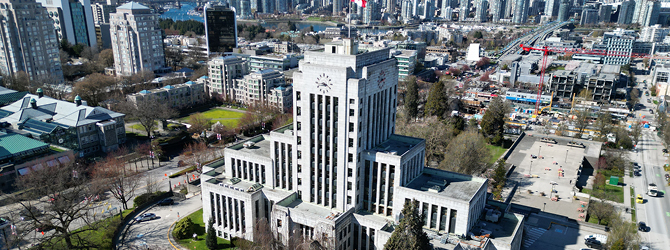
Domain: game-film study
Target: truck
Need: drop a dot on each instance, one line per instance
(652, 190)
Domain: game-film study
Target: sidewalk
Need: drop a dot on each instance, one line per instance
(627, 195)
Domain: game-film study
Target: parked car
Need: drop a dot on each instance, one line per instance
(146, 217)
(639, 199)
(641, 226)
(593, 243)
(667, 176)
(165, 202)
(665, 150)
(637, 173)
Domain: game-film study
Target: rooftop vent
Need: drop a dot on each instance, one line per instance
(249, 144)
(435, 189)
(235, 180)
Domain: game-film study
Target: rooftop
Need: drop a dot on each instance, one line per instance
(459, 186)
(259, 146)
(57, 111)
(13, 144)
(133, 6)
(308, 208)
(397, 144)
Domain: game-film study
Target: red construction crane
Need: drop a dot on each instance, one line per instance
(545, 52)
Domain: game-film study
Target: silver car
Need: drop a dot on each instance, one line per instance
(146, 217)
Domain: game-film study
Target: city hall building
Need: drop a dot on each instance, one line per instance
(338, 173)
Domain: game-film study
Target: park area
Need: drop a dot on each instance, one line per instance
(199, 229)
(228, 118)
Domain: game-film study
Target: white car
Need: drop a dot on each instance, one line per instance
(599, 237)
(146, 217)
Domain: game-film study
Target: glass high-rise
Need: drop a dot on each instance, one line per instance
(220, 29)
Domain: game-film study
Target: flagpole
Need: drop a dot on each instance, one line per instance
(349, 19)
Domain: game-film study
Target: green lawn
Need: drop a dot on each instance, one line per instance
(226, 117)
(617, 191)
(200, 230)
(101, 236)
(496, 152)
(655, 102)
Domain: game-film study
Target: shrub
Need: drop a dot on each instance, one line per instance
(183, 229)
(146, 197)
(180, 173)
(542, 193)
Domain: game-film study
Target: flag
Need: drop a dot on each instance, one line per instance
(151, 154)
(359, 2)
(218, 137)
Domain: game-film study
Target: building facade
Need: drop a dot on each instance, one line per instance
(101, 12)
(179, 96)
(40, 42)
(223, 72)
(220, 29)
(626, 12)
(265, 87)
(72, 125)
(338, 174)
(73, 20)
(137, 42)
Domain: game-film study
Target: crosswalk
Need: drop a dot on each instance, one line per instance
(532, 235)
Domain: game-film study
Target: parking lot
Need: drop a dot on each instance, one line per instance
(153, 233)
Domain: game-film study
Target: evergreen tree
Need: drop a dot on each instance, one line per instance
(437, 100)
(412, 98)
(409, 233)
(210, 238)
(493, 121)
(499, 173)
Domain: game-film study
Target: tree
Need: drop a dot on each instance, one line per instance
(106, 58)
(19, 81)
(499, 173)
(437, 136)
(95, 88)
(618, 245)
(198, 123)
(623, 232)
(412, 98)
(112, 175)
(493, 121)
(586, 95)
(636, 132)
(59, 190)
(148, 112)
(482, 63)
(210, 239)
(184, 229)
(197, 154)
(581, 121)
(603, 124)
(409, 233)
(661, 119)
(601, 210)
(466, 154)
(634, 98)
(437, 100)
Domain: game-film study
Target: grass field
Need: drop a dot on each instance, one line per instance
(101, 236)
(496, 152)
(200, 230)
(226, 117)
(617, 191)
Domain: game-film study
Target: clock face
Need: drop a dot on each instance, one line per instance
(382, 78)
(323, 83)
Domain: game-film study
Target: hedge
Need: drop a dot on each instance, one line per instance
(146, 197)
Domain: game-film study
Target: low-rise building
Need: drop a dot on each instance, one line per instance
(179, 96)
(279, 62)
(267, 87)
(223, 72)
(406, 62)
(601, 82)
(76, 126)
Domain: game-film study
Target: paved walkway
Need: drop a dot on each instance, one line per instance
(627, 195)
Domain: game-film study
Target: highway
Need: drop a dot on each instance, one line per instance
(655, 211)
(530, 38)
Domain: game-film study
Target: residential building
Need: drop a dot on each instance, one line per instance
(406, 62)
(564, 10)
(551, 7)
(521, 12)
(626, 12)
(137, 42)
(589, 16)
(285, 48)
(245, 10)
(653, 33)
(661, 78)
(652, 13)
(640, 11)
(619, 47)
(605, 13)
(101, 12)
(406, 11)
(222, 74)
(279, 62)
(464, 10)
(73, 20)
(220, 29)
(338, 173)
(498, 10)
(267, 87)
(481, 12)
(40, 42)
(72, 125)
(179, 96)
(372, 13)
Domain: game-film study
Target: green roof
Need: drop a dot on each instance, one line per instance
(13, 144)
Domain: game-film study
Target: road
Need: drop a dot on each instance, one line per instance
(154, 176)
(154, 233)
(655, 211)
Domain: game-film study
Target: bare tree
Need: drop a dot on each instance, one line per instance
(636, 131)
(581, 121)
(604, 125)
(198, 123)
(437, 135)
(601, 210)
(148, 112)
(197, 154)
(67, 202)
(112, 175)
(466, 154)
(95, 88)
(624, 231)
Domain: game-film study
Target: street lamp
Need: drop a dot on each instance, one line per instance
(531, 167)
(538, 151)
(566, 156)
(545, 206)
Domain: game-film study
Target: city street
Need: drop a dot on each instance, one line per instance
(154, 233)
(655, 211)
